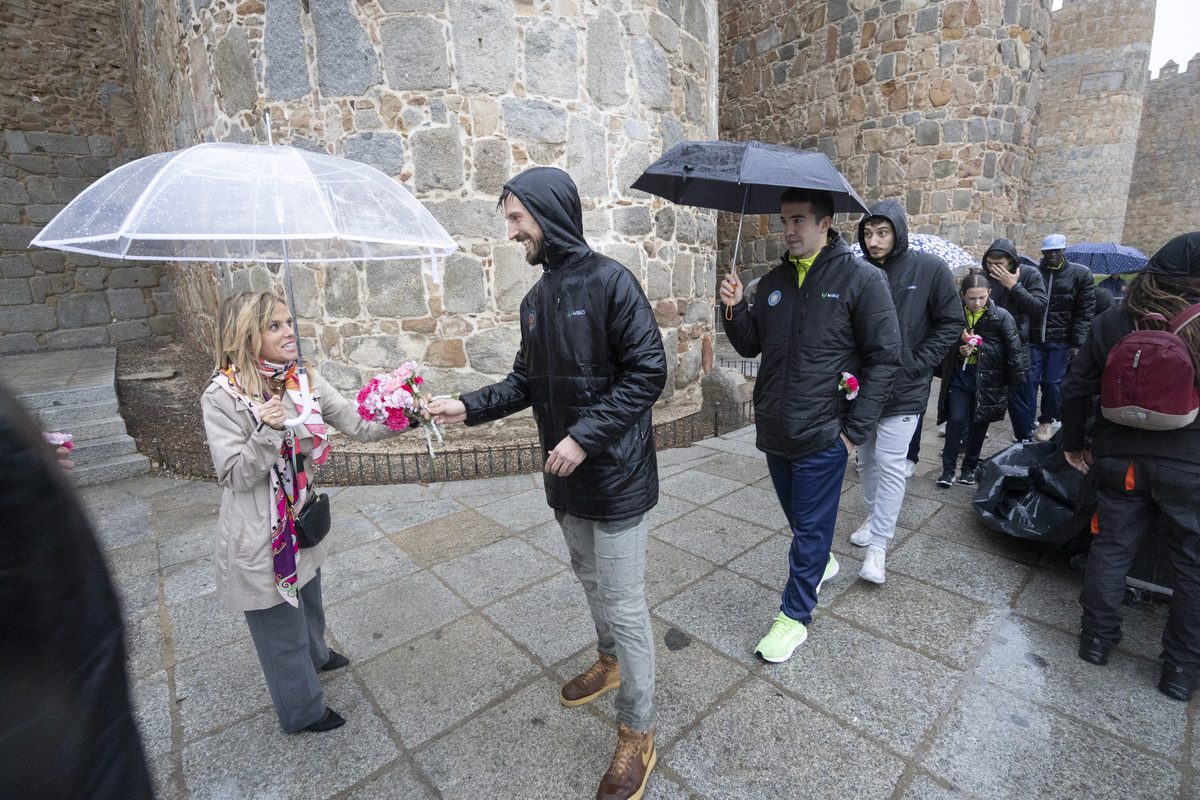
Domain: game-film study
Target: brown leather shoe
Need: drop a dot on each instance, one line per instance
(597, 679)
(631, 765)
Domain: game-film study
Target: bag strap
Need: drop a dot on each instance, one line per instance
(1151, 318)
(1184, 317)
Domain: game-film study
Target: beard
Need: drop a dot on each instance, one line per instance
(538, 254)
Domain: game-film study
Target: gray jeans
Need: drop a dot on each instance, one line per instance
(609, 559)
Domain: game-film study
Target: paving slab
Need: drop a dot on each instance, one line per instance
(736, 753)
(997, 745)
(713, 536)
(446, 538)
(219, 688)
(497, 570)
(353, 571)
(381, 618)
(968, 571)
(725, 611)
(520, 511)
(698, 487)
(551, 619)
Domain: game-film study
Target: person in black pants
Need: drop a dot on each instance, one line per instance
(976, 374)
(1146, 480)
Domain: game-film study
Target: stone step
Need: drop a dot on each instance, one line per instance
(94, 429)
(62, 398)
(95, 450)
(111, 469)
(66, 418)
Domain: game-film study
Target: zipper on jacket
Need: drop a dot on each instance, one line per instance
(554, 411)
(1046, 315)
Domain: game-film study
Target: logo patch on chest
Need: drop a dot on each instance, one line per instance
(773, 300)
(580, 313)
(831, 294)
(531, 321)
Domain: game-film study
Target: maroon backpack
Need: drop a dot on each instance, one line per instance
(1149, 381)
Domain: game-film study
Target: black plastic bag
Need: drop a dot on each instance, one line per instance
(1030, 491)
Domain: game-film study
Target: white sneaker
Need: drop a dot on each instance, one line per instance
(1044, 432)
(873, 568)
(910, 467)
(941, 430)
(862, 536)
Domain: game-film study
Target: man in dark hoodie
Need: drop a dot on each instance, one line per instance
(930, 316)
(591, 363)
(1019, 290)
(1055, 338)
(826, 327)
(1148, 481)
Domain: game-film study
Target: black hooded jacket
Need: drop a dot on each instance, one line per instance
(1069, 309)
(1178, 257)
(928, 309)
(591, 362)
(999, 365)
(1026, 301)
(841, 320)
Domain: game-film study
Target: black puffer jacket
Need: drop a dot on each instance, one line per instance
(1178, 257)
(66, 724)
(999, 360)
(842, 320)
(928, 309)
(1026, 301)
(1071, 304)
(591, 362)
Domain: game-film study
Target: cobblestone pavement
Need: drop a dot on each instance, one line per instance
(455, 602)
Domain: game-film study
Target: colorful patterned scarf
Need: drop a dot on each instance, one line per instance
(289, 486)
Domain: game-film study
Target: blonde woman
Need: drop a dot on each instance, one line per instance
(261, 571)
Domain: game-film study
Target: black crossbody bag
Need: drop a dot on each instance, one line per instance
(313, 520)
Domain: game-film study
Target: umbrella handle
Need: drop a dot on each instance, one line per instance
(307, 397)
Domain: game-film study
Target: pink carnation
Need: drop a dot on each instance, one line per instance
(397, 420)
(59, 440)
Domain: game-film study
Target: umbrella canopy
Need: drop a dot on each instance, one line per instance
(747, 177)
(1028, 261)
(238, 202)
(1107, 258)
(947, 251)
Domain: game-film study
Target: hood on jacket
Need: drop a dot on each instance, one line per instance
(552, 198)
(893, 212)
(1180, 256)
(1009, 249)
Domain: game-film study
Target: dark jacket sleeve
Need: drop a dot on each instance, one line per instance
(946, 313)
(1081, 383)
(500, 399)
(637, 349)
(1085, 308)
(877, 332)
(741, 330)
(1012, 350)
(1028, 296)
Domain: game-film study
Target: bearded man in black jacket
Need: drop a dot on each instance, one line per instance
(591, 363)
(930, 315)
(826, 327)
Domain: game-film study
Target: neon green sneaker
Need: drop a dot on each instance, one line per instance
(831, 569)
(785, 636)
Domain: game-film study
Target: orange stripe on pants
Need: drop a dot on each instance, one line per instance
(1129, 477)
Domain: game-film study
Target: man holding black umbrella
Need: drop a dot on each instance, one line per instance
(826, 327)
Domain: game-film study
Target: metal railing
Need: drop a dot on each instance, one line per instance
(747, 366)
(344, 468)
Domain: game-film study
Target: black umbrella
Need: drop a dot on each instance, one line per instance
(747, 177)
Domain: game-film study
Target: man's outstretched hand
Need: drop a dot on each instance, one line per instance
(448, 410)
(564, 458)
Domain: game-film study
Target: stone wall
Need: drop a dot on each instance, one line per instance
(68, 116)
(1164, 193)
(933, 103)
(451, 97)
(1090, 116)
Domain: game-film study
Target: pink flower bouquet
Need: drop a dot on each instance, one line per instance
(849, 385)
(59, 440)
(974, 340)
(396, 401)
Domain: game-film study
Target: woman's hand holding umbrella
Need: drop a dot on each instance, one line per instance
(272, 413)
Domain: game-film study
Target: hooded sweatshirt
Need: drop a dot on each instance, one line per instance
(928, 309)
(1026, 301)
(591, 362)
(1178, 257)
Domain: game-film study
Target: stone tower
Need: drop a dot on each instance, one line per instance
(451, 97)
(934, 103)
(1090, 115)
(1164, 191)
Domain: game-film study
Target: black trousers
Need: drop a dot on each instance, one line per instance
(1158, 497)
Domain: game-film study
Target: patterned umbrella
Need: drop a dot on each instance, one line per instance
(1107, 258)
(947, 251)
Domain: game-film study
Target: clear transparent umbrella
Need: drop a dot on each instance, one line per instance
(235, 202)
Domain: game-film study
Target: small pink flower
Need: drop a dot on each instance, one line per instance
(849, 384)
(59, 440)
(404, 373)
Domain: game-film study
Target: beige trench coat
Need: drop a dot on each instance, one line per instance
(243, 453)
